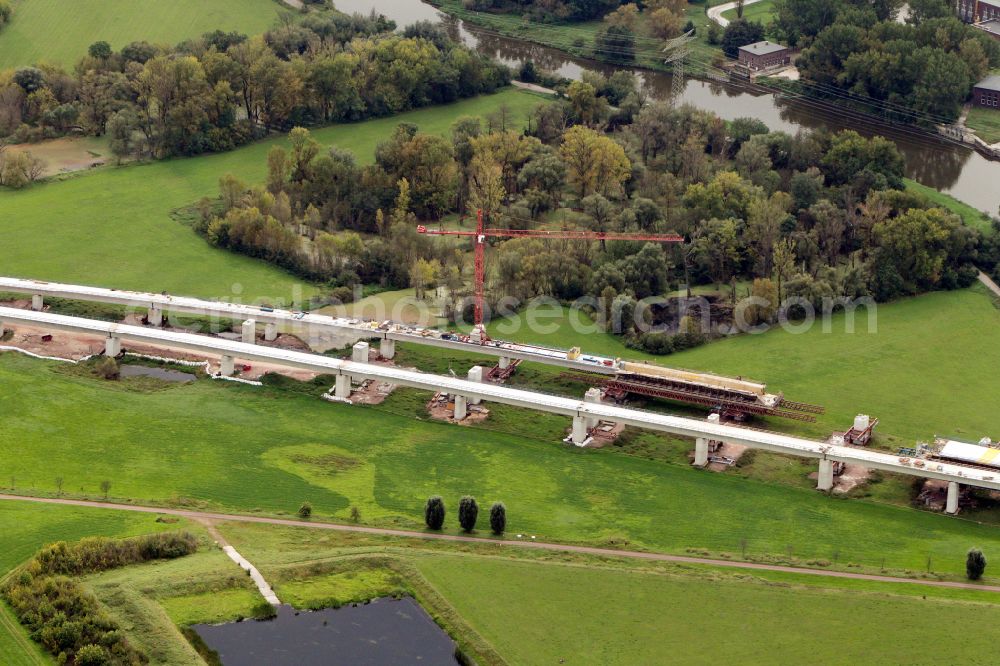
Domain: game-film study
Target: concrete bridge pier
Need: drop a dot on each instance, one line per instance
(342, 389)
(2, 330)
(359, 353)
(387, 348)
(155, 316)
(461, 407)
(112, 347)
(475, 375)
(504, 362)
(592, 395)
(37, 302)
(227, 366)
(579, 436)
(951, 505)
(824, 481)
(701, 452)
(270, 332)
(249, 331)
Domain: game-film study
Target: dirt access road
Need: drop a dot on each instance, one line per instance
(208, 517)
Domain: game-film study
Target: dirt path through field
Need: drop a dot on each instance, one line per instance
(208, 516)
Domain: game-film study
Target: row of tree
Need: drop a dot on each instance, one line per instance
(216, 92)
(920, 70)
(468, 514)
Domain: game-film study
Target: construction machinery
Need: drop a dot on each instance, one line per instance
(481, 233)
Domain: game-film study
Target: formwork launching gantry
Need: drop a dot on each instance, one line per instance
(733, 398)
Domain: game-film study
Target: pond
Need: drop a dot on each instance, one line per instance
(948, 167)
(156, 373)
(385, 632)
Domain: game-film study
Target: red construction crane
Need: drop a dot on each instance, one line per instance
(479, 243)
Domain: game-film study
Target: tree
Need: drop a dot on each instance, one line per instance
(783, 259)
(100, 50)
(59, 485)
(665, 23)
(5, 12)
(434, 513)
(615, 43)
(105, 487)
(975, 564)
(740, 33)
(498, 518)
(594, 162)
(305, 511)
(355, 514)
(468, 513)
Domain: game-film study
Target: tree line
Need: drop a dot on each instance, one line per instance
(224, 89)
(924, 67)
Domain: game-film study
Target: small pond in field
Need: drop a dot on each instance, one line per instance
(156, 373)
(385, 632)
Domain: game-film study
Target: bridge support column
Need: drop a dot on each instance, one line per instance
(112, 347)
(342, 389)
(504, 362)
(2, 330)
(387, 348)
(951, 506)
(592, 395)
(249, 331)
(701, 452)
(270, 332)
(475, 375)
(227, 366)
(37, 302)
(579, 436)
(824, 481)
(155, 316)
(359, 353)
(461, 407)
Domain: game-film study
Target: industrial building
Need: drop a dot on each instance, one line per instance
(977, 11)
(764, 55)
(986, 93)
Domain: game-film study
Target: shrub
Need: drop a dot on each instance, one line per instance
(355, 514)
(5, 12)
(107, 368)
(305, 511)
(498, 518)
(468, 513)
(975, 564)
(92, 655)
(434, 513)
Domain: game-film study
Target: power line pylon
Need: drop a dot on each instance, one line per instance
(677, 51)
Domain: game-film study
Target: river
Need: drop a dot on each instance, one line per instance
(955, 169)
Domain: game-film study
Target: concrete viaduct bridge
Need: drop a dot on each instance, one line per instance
(272, 318)
(584, 414)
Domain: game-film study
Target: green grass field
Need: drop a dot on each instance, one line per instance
(112, 227)
(985, 123)
(245, 448)
(546, 614)
(59, 32)
(761, 12)
(537, 608)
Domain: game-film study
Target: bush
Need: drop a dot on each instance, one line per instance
(468, 513)
(498, 518)
(305, 511)
(434, 513)
(5, 12)
(975, 564)
(107, 368)
(92, 655)
(101, 553)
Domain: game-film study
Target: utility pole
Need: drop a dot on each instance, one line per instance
(677, 51)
